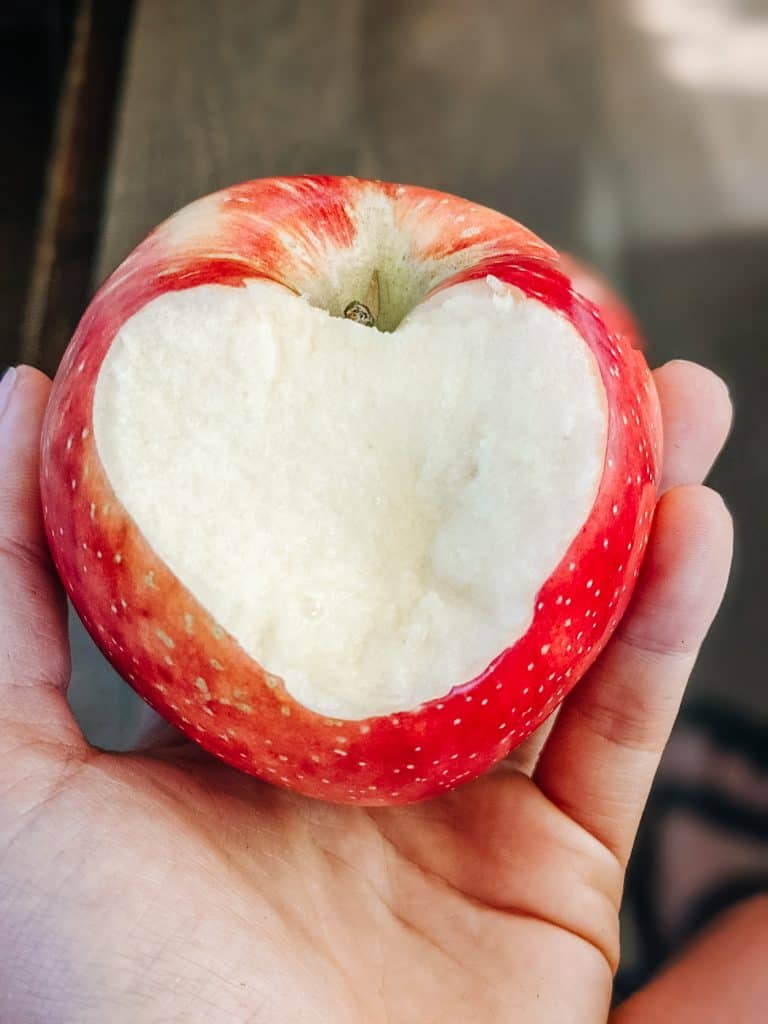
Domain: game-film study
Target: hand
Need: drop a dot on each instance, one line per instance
(165, 887)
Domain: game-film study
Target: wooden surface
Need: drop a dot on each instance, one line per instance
(70, 210)
(462, 96)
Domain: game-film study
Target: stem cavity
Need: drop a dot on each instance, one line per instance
(365, 313)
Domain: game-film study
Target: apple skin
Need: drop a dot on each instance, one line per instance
(616, 315)
(170, 650)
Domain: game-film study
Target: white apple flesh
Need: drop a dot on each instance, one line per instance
(363, 561)
(369, 515)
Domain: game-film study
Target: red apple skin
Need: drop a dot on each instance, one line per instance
(170, 650)
(616, 315)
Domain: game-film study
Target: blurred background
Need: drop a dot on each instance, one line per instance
(633, 133)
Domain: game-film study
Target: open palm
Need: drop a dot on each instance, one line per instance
(163, 886)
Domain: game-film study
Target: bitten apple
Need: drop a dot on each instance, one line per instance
(349, 482)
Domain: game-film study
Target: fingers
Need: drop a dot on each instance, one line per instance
(618, 719)
(34, 651)
(722, 978)
(604, 750)
(696, 412)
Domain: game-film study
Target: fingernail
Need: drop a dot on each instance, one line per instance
(6, 386)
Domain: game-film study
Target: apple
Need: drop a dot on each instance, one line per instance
(349, 482)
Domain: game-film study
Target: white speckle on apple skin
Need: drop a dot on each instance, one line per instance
(165, 638)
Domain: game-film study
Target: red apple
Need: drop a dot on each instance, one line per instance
(349, 482)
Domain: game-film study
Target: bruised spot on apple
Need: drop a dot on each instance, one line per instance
(349, 482)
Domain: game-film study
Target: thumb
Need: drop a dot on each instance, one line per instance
(34, 650)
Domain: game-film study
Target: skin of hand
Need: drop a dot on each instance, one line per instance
(162, 886)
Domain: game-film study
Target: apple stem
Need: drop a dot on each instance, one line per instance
(360, 313)
(367, 312)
